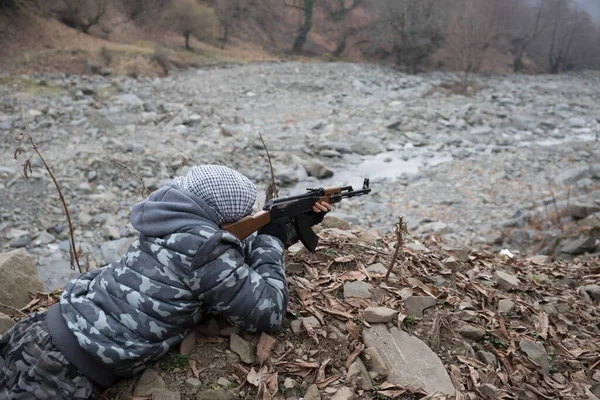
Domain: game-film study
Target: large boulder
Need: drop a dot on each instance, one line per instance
(409, 360)
(19, 278)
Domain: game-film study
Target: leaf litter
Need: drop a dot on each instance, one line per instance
(555, 319)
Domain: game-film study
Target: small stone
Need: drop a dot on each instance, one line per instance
(579, 246)
(85, 219)
(416, 246)
(452, 263)
(440, 281)
(560, 378)
(6, 323)
(415, 305)
(223, 382)
(466, 315)
(375, 362)
(92, 175)
(312, 393)
(227, 331)
(358, 289)
(379, 315)
(294, 268)
(593, 291)
(289, 383)
(85, 188)
(379, 269)
(487, 357)
(242, 348)
(536, 352)
(343, 393)
(166, 395)
(150, 381)
(471, 332)
(188, 343)
(358, 371)
(317, 169)
(192, 383)
(488, 390)
(505, 306)
(331, 221)
(311, 321)
(506, 281)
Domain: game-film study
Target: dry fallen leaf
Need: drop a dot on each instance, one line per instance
(264, 347)
(345, 259)
(352, 328)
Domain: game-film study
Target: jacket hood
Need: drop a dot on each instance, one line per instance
(170, 209)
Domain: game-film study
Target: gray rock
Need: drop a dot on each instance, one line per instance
(312, 393)
(506, 281)
(130, 100)
(85, 219)
(578, 246)
(6, 323)
(505, 306)
(358, 289)
(330, 153)
(593, 291)
(487, 357)
(582, 210)
(192, 383)
(416, 246)
(92, 175)
(85, 188)
(379, 269)
(242, 348)
(150, 381)
(437, 227)
(311, 321)
(317, 169)
(571, 176)
(470, 331)
(166, 395)
(415, 305)
(289, 383)
(375, 362)
(379, 315)
(23, 241)
(409, 360)
(536, 352)
(467, 315)
(19, 278)
(344, 393)
(358, 371)
(368, 146)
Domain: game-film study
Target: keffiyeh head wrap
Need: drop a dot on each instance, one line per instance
(230, 194)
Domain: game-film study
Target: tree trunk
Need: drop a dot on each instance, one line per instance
(225, 35)
(187, 40)
(518, 60)
(302, 36)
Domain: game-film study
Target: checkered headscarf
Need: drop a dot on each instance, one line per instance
(230, 194)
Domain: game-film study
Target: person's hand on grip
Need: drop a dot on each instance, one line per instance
(318, 212)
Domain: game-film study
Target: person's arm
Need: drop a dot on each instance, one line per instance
(252, 295)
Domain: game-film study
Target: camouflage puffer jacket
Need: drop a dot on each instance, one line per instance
(182, 269)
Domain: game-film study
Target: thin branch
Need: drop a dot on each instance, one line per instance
(12, 309)
(145, 192)
(294, 6)
(73, 248)
(399, 230)
(272, 188)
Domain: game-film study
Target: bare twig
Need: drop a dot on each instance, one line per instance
(12, 309)
(145, 192)
(27, 166)
(399, 230)
(271, 191)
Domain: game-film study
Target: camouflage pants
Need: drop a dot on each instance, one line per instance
(31, 367)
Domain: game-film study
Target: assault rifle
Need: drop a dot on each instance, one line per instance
(297, 208)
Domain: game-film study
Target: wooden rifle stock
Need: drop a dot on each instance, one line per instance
(248, 225)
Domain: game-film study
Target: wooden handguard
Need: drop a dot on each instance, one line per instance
(248, 225)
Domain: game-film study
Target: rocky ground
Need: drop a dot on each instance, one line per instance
(448, 323)
(466, 167)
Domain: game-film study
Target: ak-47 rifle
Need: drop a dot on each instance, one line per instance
(297, 208)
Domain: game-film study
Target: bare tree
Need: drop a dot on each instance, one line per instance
(413, 28)
(306, 6)
(469, 35)
(231, 13)
(337, 10)
(527, 23)
(190, 18)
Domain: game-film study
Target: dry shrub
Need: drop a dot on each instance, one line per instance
(161, 57)
(106, 55)
(192, 19)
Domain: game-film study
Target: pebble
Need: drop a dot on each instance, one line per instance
(312, 393)
(344, 393)
(593, 291)
(379, 315)
(505, 306)
(242, 348)
(506, 281)
(311, 321)
(416, 305)
(192, 383)
(471, 331)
